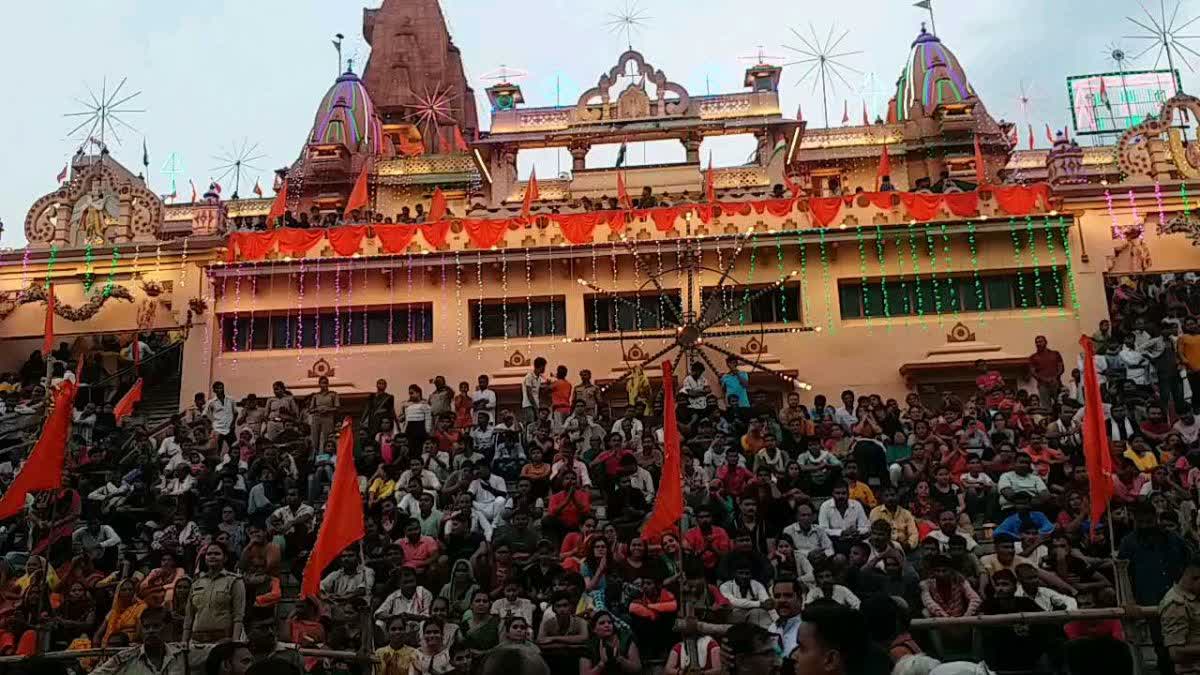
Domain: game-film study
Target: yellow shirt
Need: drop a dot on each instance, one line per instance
(1145, 463)
(904, 525)
(862, 492)
(1188, 347)
(395, 661)
(381, 488)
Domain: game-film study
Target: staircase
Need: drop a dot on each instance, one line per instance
(160, 400)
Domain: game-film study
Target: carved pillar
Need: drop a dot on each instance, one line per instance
(62, 226)
(1160, 159)
(121, 232)
(579, 151)
(691, 145)
(503, 166)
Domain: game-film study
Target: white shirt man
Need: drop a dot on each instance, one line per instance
(696, 391)
(221, 411)
(1049, 599)
(489, 503)
(840, 594)
(807, 541)
(484, 400)
(429, 479)
(833, 519)
(753, 598)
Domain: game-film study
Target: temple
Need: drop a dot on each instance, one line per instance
(887, 256)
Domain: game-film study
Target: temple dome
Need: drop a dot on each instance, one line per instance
(347, 117)
(932, 76)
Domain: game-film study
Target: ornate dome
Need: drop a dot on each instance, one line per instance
(348, 117)
(932, 76)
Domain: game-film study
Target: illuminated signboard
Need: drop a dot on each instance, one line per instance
(1110, 103)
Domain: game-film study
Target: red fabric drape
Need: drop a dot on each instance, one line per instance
(297, 242)
(1020, 200)
(776, 207)
(616, 220)
(921, 206)
(43, 470)
(435, 233)
(824, 209)
(48, 328)
(578, 228)
(963, 204)
(485, 233)
(668, 506)
(880, 200)
(342, 522)
(347, 239)
(704, 212)
(664, 218)
(395, 238)
(735, 208)
(251, 245)
(1095, 435)
(124, 407)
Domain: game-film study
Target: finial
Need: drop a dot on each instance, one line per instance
(350, 65)
(923, 31)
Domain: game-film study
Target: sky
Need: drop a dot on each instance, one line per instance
(219, 74)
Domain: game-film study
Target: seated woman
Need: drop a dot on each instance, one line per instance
(610, 651)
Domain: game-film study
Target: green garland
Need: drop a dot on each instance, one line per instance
(1033, 256)
(112, 273)
(947, 265)
(782, 291)
(825, 277)
(1058, 288)
(973, 245)
(1012, 229)
(1064, 232)
(880, 245)
(916, 265)
(89, 275)
(933, 278)
(862, 269)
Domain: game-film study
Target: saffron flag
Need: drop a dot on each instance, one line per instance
(1030, 136)
(257, 188)
(62, 175)
(710, 189)
(531, 193)
(799, 113)
(1049, 134)
(437, 207)
(1095, 436)
(358, 196)
(866, 120)
(623, 192)
(885, 166)
(845, 112)
(43, 469)
(668, 507)
(48, 328)
(343, 515)
(980, 169)
(460, 143)
(1104, 100)
(279, 206)
(124, 407)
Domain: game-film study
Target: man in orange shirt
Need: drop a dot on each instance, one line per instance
(560, 396)
(1188, 346)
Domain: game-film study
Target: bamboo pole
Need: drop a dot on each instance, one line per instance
(1021, 618)
(340, 655)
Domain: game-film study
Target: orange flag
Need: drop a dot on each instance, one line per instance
(885, 167)
(48, 340)
(124, 407)
(980, 169)
(43, 469)
(358, 196)
(460, 143)
(343, 515)
(1095, 436)
(623, 192)
(668, 507)
(278, 207)
(437, 207)
(531, 193)
(845, 112)
(710, 190)
(866, 120)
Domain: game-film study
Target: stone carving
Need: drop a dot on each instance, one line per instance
(102, 204)
(321, 368)
(1156, 149)
(634, 102)
(1186, 224)
(960, 333)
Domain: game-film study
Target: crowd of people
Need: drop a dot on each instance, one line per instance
(814, 533)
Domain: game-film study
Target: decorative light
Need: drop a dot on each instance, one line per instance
(803, 277)
(1016, 242)
(862, 270)
(300, 313)
(779, 259)
(1116, 225)
(1136, 217)
(25, 268)
(1066, 243)
(916, 270)
(253, 303)
(933, 278)
(317, 316)
(504, 299)
(529, 299)
(479, 308)
(880, 246)
(458, 314)
(973, 246)
(208, 326)
(183, 263)
(89, 275)
(137, 256)
(1056, 277)
(825, 278)
(1183, 194)
(947, 266)
(50, 262)
(1158, 199)
(112, 272)
(1033, 256)
(337, 307)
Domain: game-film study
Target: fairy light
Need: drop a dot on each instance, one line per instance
(111, 282)
(337, 308)
(391, 282)
(905, 297)
(408, 306)
(1158, 199)
(661, 300)
(1183, 194)
(825, 282)
(1056, 279)
(50, 263)
(803, 276)
(458, 314)
(528, 299)
(253, 303)
(947, 266)
(366, 298)
(317, 316)
(723, 291)
(637, 299)
(1066, 244)
(1016, 242)
(89, 275)
(1112, 214)
(862, 269)
(933, 277)
(479, 308)
(208, 326)
(1033, 257)
(504, 299)
(782, 272)
(880, 246)
(553, 320)
(443, 295)
(1137, 219)
(595, 301)
(25, 268)
(300, 313)
(183, 263)
(973, 246)
(137, 256)
(916, 268)
(237, 306)
(749, 280)
(157, 258)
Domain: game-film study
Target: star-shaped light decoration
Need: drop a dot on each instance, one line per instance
(630, 21)
(826, 65)
(239, 157)
(693, 330)
(1165, 32)
(103, 114)
(433, 108)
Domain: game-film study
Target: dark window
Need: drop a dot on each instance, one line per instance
(407, 323)
(634, 312)
(781, 305)
(518, 318)
(996, 291)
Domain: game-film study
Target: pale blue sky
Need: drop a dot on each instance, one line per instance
(215, 72)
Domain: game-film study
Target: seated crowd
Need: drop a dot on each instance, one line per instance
(518, 526)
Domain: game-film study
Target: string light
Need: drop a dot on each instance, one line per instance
(553, 297)
(25, 268)
(723, 298)
(157, 258)
(661, 300)
(479, 309)
(137, 256)
(803, 275)
(317, 316)
(366, 298)
(749, 281)
(1066, 243)
(1183, 194)
(916, 267)
(1056, 279)
(183, 263)
(1158, 199)
(974, 249)
(1112, 214)
(504, 298)
(208, 325)
(905, 297)
(1033, 257)
(443, 266)
(1016, 242)
(862, 269)
(391, 272)
(221, 334)
(253, 303)
(50, 263)
(880, 246)
(947, 266)
(1137, 219)
(782, 272)
(89, 275)
(933, 278)
(529, 299)
(637, 299)
(111, 282)
(337, 307)
(237, 306)
(300, 313)
(595, 303)
(408, 307)
(458, 314)
(825, 280)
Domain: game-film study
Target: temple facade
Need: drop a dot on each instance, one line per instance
(885, 257)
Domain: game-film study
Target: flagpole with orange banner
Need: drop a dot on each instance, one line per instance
(343, 522)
